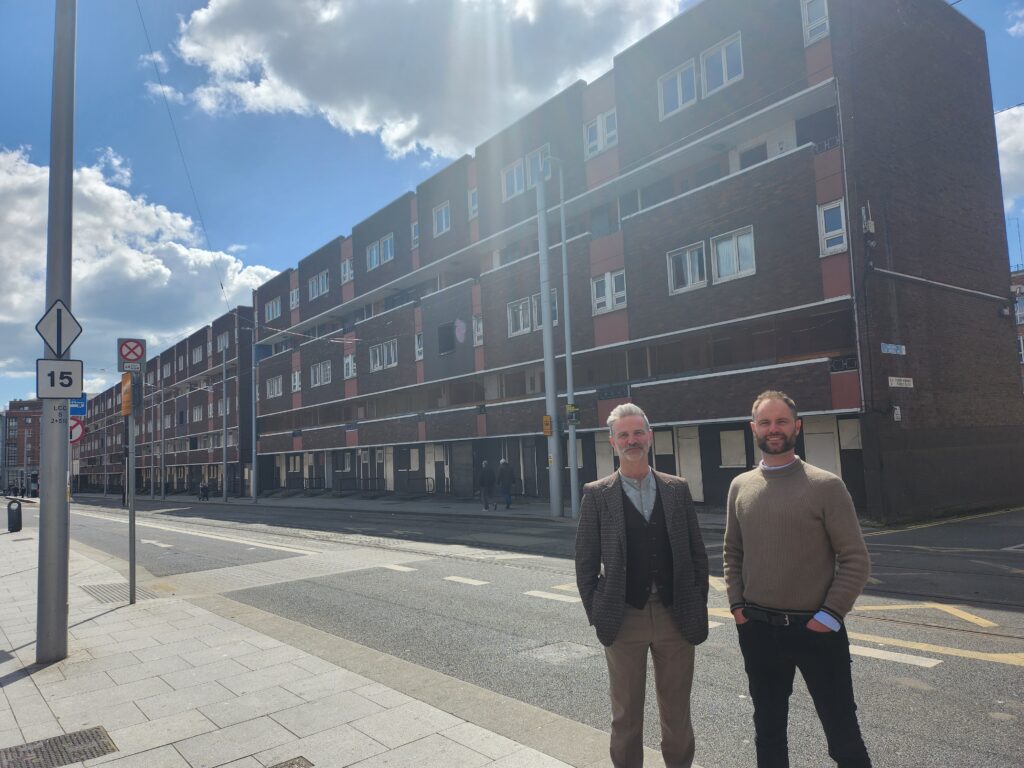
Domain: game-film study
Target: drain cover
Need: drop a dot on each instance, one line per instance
(115, 593)
(295, 762)
(60, 750)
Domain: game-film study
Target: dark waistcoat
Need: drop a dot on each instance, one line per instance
(648, 554)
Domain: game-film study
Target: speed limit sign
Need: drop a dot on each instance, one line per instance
(60, 379)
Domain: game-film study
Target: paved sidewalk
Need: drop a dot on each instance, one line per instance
(176, 685)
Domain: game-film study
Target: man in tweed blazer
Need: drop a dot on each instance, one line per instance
(642, 573)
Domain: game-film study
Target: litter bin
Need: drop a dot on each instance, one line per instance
(14, 516)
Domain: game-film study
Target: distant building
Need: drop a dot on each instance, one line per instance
(1017, 289)
(21, 429)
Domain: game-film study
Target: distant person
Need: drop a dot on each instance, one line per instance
(204, 491)
(642, 572)
(795, 562)
(486, 483)
(506, 479)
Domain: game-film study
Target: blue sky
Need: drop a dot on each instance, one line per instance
(297, 120)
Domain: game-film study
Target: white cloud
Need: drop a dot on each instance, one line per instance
(138, 268)
(1010, 133)
(1016, 19)
(155, 59)
(439, 76)
(158, 91)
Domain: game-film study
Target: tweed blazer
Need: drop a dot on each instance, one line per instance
(601, 557)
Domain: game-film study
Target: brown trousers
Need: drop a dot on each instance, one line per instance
(651, 628)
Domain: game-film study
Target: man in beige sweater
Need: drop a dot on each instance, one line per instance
(795, 562)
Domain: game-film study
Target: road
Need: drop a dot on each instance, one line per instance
(938, 638)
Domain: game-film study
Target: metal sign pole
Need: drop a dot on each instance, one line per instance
(131, 504)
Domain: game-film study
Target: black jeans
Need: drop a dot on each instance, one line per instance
(771, 656)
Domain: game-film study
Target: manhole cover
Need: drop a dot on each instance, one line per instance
(295, 762)
(60, 750)
(115, 593)
(563, 653)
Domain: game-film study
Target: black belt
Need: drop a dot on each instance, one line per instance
(776, 618)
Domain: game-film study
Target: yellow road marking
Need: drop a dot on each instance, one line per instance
(952, 610)
(717, 583)
(566, 587)
(947, 521)
(1013, 659)
(722, 613)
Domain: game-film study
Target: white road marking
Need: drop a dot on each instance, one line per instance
(464, 580)
(156, 543)
(512, 556)
(903, 658)
(201, 534)
(399, 568)
(1014, 548)
(552, 596)
(571, 587)
(713, 624)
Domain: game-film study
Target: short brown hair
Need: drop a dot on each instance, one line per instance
(773, 394)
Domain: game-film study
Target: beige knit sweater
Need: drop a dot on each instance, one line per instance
(793, 541)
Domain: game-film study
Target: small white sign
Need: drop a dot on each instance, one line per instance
(901, 382)
(60, 379)
(894, 349)
(130, 367)
(897, 413)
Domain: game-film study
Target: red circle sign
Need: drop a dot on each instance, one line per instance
(131, 351)
(77, 429)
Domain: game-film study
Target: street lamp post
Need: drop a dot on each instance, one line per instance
(550, 378)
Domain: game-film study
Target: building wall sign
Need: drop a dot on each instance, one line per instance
(894, 349)
(901, 382)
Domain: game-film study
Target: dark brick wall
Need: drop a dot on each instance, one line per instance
(453, 425)
(316, 352)
(277, 286)
(327, 257)
(278, 365)
(393, 218)
(400, 430)
(451, 305)
(399, 324)
(448, 184)
(515, 419)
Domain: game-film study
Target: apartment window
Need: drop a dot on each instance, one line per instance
(722, 65)
(1018, 310)
(686, 268)
(181, 362)
(348, 365)
(373, 255)
(387, 248)
(222, 341)
(293, 298)
(538, 317)
(220, 406)
(319, 285)
(384, 355)
(677, 90)
(608, 292)
(478, 330)
(442, 218)
(168, 420)
(419, 346)
(537, 163)
(753, 155)
(600, 134)
(320, 373)
(474, 206)
(197, 355)
(1020, 349)
(209, 348)
(209, 410)
(415, 234)
(274, 387)
(518, 317)
(296, 381)
(732, 255)
(513, 180)
(831, 228)
(272, 309)
(197, 413)
(815, 13)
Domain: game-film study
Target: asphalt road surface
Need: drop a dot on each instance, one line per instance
(938, 638)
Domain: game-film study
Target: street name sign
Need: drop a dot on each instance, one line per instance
(58, 328)
(60, 379)
(131, 354)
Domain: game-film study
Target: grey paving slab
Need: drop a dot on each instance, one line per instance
(11, 738)
(404, 724)
(97, 681)
(172, 701)
(144, 670)
(530, 758)
(245, 762)
(218, 670)
(337, 747)
(120, 694)
(161, 757)
(233, 742)
(117, 716)
(170, 649)
(265, 678)
(429, 752)
(156, 733)
(32, 711)
(481, 740)
(7, 721)
(44, 675)
(230, 650)
(41, 731)
(381, 694)
(313, 664)
(87, 665)
(271, 657)
(111, 648)
(241, 634)
(325, 713)
(250, 706)
(317, 686)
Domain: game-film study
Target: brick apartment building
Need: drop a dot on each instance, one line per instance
(1017, 291)
(20, 428)
(785, 194)
(180, 428)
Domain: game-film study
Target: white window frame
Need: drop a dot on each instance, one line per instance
(473, 203)
(348, 274)
(166, 372)
(519, 310)
(603, 138)
(535, 309)
(272, 309)
(445, 224)
(197, 413)
(373, 255)
(384, 355)
(293, 298)
(181, 362)
(419, 345)
(1020, 349)
(197, 356)
(734, 236)
(415, 229)
(320, 374)
(478, 330)
(543, 153)
(686, 253)
(387, 248)
(677, 74)
(518, 177)
(319, 284)
(813, 32)
(348, 365)
(296, 381)
(823, 237)
(610, 299)
(223, 340)
(718, 51)
(274, 387)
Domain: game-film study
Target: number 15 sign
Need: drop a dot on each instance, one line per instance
(60, 379)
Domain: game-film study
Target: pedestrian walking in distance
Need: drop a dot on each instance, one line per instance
(486, 483)
(506, 479)
(795, 562)
(642, 573)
